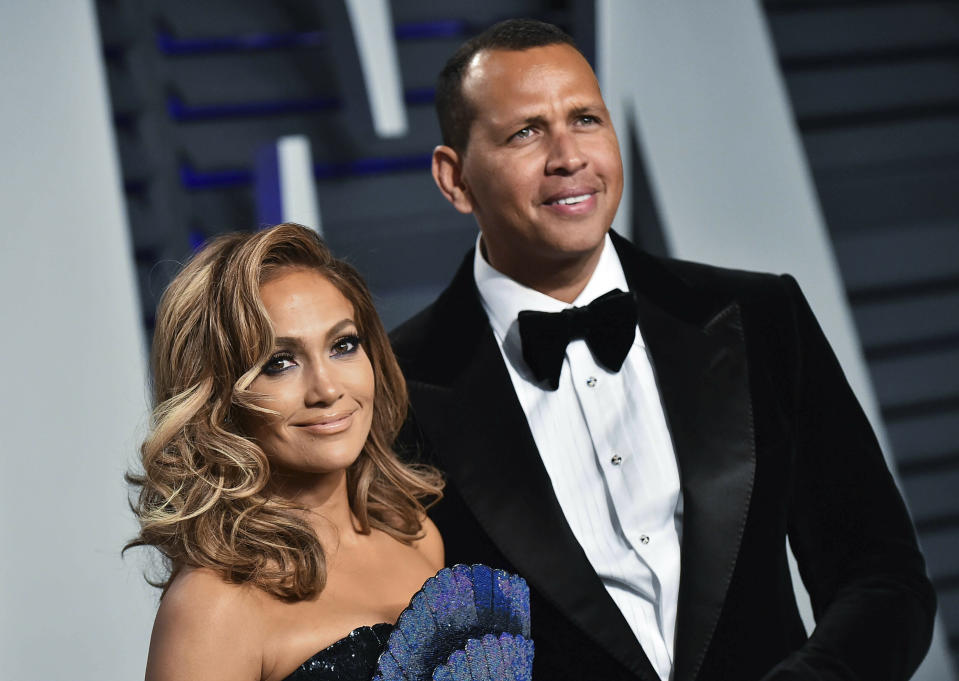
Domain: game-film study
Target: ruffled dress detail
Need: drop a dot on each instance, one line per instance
(468, 623)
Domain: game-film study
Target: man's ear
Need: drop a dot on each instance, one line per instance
(448, 175)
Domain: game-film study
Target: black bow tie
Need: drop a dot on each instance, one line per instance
(608, 324)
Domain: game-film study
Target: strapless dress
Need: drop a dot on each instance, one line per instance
(468, 623)
(352, 658)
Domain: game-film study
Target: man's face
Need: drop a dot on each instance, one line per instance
(542, 171)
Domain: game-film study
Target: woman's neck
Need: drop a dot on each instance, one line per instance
(326, 500)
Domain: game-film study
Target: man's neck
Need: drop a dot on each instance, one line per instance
(562, 280)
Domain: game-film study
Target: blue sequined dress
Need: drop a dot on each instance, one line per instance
(468, 623)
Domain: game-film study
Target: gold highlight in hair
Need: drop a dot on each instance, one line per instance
(204, 499)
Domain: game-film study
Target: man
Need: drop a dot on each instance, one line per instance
(644, 476)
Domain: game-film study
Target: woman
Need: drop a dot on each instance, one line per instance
(269, 484)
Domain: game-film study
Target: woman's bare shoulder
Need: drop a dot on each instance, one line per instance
(207, 628)
(431, 545)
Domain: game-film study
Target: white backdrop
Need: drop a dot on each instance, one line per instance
(73, 402)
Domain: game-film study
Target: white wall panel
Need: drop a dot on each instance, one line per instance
(73, 402)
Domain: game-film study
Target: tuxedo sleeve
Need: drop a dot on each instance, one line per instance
(849, 529)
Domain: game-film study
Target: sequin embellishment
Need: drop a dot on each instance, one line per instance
(352, 658)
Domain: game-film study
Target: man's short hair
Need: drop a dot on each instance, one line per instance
(455, 113)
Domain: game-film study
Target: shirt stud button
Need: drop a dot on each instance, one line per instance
(616, 460)
(644, 539)
(591, 381)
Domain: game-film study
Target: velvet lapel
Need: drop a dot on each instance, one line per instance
(699, 357)
(484, 444)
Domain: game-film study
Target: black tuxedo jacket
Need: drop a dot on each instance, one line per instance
(770, 442)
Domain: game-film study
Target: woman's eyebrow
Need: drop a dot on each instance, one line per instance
(295, 343)
(288, 342)
(340, 325)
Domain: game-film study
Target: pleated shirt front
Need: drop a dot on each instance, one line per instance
(605, 444)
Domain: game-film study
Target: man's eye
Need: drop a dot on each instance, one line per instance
(588, 120)
(522, 134)
(278, 363)
(346, 345)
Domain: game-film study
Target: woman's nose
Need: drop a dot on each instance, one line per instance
(323, 387)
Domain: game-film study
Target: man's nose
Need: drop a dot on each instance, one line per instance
(566, 155)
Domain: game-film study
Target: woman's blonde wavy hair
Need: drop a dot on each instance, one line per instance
(204, 499)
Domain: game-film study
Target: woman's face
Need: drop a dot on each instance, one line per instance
(318, 378)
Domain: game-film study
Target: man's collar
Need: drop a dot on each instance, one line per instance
(503, 298)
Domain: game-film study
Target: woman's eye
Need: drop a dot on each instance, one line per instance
(345, 345)
(278, 364)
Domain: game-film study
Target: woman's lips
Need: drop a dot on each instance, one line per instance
(328, 425)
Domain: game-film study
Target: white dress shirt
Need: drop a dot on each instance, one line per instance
(603, 439)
